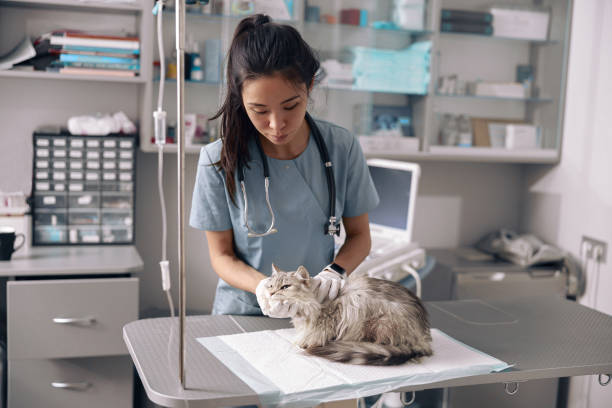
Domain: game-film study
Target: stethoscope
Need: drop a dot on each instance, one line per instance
(333, 228)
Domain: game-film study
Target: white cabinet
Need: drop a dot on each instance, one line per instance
(65, 347)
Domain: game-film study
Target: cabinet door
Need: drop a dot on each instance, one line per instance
(78, 382)
(69, 318)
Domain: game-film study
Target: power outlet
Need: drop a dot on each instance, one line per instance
(592, 245)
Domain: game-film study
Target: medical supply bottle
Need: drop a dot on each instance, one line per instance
(465, 131)
(449, 130)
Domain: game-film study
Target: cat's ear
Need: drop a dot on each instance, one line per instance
(275, 269)
(302, 273)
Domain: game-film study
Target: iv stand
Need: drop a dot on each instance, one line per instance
(180, 104)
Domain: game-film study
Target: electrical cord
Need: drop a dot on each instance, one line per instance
(159, 116)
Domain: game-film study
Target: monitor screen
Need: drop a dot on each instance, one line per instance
(393, 187)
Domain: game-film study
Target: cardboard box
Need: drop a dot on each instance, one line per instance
(480, 129)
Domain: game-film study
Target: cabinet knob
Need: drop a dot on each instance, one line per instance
(83, 321)
(71, 385)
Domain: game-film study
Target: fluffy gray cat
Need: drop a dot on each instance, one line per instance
(372, 321)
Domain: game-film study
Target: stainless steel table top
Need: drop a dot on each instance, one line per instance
(543, 337)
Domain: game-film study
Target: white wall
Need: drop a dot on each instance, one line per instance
(574, 199)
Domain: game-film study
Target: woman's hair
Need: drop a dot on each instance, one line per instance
(259, 48)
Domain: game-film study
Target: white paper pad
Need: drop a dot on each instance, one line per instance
(282, 373)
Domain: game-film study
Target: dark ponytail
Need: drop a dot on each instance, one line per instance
(259, 48)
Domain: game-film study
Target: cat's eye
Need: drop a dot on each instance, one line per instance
(285, 287)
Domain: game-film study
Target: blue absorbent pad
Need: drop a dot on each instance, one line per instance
(283, 374)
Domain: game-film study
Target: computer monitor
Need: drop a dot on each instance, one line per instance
(396, 183)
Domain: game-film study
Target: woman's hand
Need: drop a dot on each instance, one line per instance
(327, 284)
(271, 307)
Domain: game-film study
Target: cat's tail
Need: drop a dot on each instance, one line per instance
(354, 352)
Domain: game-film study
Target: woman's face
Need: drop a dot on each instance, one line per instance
(276, 108)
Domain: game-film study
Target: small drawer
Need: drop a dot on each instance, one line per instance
(92, 175)
(119, 186)
(84, 217)
(126, 144)
(59, 153)
(76, 175)
(69, 318)
(109, 154)
(117, 218)
(50, 235)
(76, 164)
(94, 382)
(109, 164)
(120, 201)
(50, 201)
(84, 235)
(109, 144)
(43, 152)
(84, 200)
(93, 164)
(41, 175)
(109, 176)
(43, 142)
(41, 164)
(125, 165)
(76, 154)
(60, 164)
(77, 143)
(125, 176)
(59, 142)
(59, 175)
(92, 144)
(42, 186)
(50, 217)
(92, 155)
(117, 235)
(126, 155)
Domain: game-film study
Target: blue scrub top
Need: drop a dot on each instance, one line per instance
(299, 198)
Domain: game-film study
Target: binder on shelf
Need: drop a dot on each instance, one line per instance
(466, 16)
(469, 28)
(97, 59)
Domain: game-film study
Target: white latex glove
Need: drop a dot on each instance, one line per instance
(327, 284)
(270, 307)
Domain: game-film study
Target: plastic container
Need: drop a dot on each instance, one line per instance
(84, 235)
(50, 201)
(50, 217)
(50, 235)
(84, 200)
(83, 217)
(117, 201)
(117, 218)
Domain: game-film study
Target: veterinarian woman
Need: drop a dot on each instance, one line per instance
(264, 123)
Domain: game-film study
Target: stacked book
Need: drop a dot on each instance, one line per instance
(466, 21)
(93, 54)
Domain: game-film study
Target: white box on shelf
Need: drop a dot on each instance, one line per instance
(522, 137)
(499, 89)
(516, 23)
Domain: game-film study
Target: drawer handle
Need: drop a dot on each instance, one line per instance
(71, 385)
(84, 321)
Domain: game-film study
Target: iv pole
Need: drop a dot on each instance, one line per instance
(180, 114)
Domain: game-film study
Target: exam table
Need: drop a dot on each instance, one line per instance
(544, 337)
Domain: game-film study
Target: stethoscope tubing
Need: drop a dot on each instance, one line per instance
(332, 228)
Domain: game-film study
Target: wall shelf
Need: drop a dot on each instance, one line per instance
(496, 98)
(134, 7)
(55, 75)
(496, 38)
